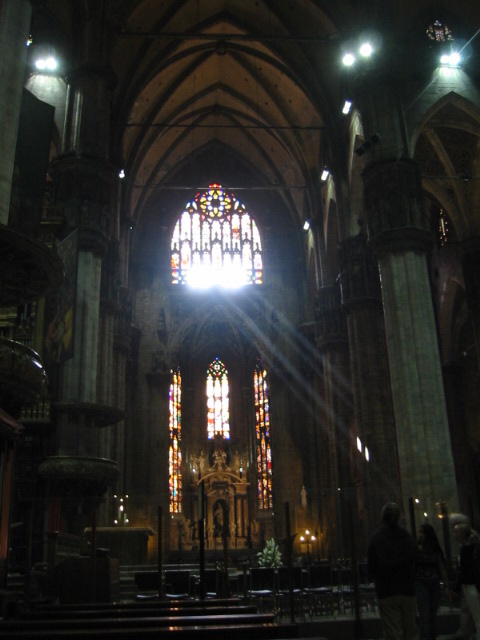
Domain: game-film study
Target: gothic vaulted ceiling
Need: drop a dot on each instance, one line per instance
(248, 91)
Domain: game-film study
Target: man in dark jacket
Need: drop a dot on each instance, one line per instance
(391, 566)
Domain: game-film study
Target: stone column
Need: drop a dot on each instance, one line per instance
(285, 461)
(454, 381)
(85, 199)
(400, 238)
(335, 418)
(377, 470)
(15, 18)
(471, 275)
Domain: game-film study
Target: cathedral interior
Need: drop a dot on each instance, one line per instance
(239, 274)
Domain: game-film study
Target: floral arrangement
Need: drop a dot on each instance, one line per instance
(270, 555)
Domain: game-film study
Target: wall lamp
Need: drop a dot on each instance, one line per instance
(325, 175)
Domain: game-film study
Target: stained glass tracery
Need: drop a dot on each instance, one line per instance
(216, 242)
(263, 444)
(218, 410)
(439, 32)
(175, 443)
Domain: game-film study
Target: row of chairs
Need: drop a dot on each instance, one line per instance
(319, 590)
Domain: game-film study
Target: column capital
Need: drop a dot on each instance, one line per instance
(359, 277)
(331, 324)
(394, 206)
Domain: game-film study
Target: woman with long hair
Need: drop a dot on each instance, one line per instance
(430, 571)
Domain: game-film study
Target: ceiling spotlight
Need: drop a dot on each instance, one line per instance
(366, 50)
(346, 107)
(348, 59)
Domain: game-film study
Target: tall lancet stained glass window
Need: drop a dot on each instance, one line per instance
(216, 243)
(218, 410)
(263, 444)
(175, 443)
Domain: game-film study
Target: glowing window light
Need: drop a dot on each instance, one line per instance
(175, 444)
(218, 406)
(439, 32)
(216, 242)
(262, 438)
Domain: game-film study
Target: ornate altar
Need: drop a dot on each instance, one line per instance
(226, 512)
(226, 503)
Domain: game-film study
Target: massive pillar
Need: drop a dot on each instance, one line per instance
(286, 474)
(335, 418)
(376, 464)
(400, 237)
(157, 467)
(15, 17)
(85, 199)
(471, 275)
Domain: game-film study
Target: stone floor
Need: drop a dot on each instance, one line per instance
(369, 627)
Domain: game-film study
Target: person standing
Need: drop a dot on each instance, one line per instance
(430, 571)
(467, 625)
(468, 581)
(391, 566)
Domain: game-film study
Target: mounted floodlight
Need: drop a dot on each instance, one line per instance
(306, 225)
(121, 174)
(455, 58)
(325, 174)
(346, 107)
(46, 64)
(450, 59)
(366, 50)
(348, 59)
